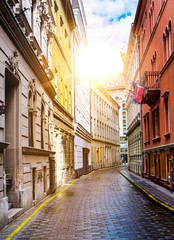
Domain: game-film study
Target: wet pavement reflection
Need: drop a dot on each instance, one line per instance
(103, 205)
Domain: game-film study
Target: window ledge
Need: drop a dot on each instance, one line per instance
(156, 139)
(148, 141)
(167, 135)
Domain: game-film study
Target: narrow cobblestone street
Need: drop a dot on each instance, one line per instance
(103, 205)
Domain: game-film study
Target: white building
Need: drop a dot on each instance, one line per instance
(82, 140)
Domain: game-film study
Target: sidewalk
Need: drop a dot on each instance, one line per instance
(155, 193)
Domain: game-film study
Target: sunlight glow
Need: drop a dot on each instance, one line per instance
(101, 62)
(97, 63)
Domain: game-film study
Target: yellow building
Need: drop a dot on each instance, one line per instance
(62, 104)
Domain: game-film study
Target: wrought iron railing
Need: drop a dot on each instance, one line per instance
(150, 79)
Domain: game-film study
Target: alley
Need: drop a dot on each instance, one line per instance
(103, 205)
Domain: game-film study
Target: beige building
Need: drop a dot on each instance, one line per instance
(105, 146)
(131, 74)
(26, 126)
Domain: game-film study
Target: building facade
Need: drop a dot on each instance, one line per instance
(26, 91)
(154, 27)
(115, 86)
(105, 146)
(131, 76)
(81, 98)
(62, 104)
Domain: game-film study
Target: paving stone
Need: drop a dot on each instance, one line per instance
(102, 206)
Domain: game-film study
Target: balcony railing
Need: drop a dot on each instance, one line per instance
(150, 81)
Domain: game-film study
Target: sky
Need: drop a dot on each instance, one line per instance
(108, 30)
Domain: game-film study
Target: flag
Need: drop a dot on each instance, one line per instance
(138, 93)
(134, 84)
(133, 101)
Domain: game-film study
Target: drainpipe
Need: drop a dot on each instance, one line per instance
(142, 162)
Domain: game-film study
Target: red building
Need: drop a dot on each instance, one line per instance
(154, 26)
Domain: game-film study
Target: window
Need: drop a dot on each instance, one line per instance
(34, 22)
(167, 41)
(55, 81)
(168, 164)
(166, 114)
(49, 129)
(154, 62)
(143, 40)
(70, 99)
(151, 17)
(61, 89)
(97, 128)
(30, 121)
(61, 31)
(155, 119)
(55, 15)
(100, 130)
(146, 128)
(45, 178)
(66, 39)
(66, 98)
(42, 126)
(94, 132)
(166, 100)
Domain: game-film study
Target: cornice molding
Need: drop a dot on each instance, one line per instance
(37, 151)
(15, 34)
(82, 132)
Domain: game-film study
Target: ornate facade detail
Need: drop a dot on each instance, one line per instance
(50, 29)
(43, 101)
(43, 10)
(13, 63)
(32, 86)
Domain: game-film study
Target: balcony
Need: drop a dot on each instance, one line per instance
(150, 81)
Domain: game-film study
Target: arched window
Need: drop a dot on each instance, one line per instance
(31, 112)
(170, 37)
(150, 26)
(42, 126)
(167, 41)
(164, 47)
(30, 119)
(49, 129)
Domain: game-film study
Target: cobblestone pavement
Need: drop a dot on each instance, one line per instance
(162, 194)
(103, 205)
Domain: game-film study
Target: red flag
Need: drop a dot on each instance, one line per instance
(138, 93)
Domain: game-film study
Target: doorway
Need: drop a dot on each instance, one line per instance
(85, 160)
(11, 131)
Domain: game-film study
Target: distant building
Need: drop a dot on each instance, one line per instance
(81, 95)
(115, 86)
(131, 75)
(105, 146)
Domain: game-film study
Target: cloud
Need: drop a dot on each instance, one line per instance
(109, 23)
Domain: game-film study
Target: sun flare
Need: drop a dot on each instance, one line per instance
(96, 63)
